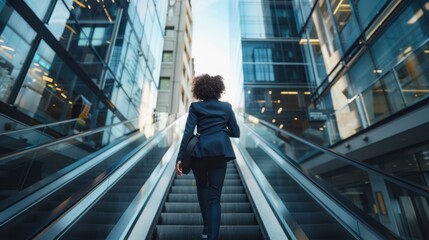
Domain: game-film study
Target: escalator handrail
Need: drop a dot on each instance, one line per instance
(68, 138)
(351, 208)
(82, 204)
(363, 166)
(38, 126)
(65, 139)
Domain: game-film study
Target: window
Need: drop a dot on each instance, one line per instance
(169, 31)
(167, 56)
(164, 83)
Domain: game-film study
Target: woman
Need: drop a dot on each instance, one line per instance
(215, 122)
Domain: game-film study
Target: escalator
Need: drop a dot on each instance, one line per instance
(181, 217)
(26, 210)
(312, 218)
(270, 192)
(100, 219)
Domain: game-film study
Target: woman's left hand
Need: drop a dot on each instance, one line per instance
(179, 168)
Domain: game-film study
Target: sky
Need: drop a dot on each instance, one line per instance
(210, 46)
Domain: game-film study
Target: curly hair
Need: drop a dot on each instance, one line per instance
(206, 87)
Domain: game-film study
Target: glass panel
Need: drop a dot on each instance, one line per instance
(52, 92)
(323, 40)
(362, 73)
(407, 33)
(413, 75)
(16, 37)
(39, 7)
(383, 98)
(346, 23)
(267, 19)
(24, 138)
(367, 9)
(347, 120)
(89, 38)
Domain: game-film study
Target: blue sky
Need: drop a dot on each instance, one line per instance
(210, 47)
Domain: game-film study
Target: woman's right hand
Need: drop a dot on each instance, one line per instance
(179, 168)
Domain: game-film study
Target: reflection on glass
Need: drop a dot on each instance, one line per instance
(85, 29)
(402, 37)
(323, 40)
(383, 98)
(362, 73)
(346, 23)
(413, 75)
(267, 19)
(367, 10)
(39, 7)
(347, 120)
(15, 39)
(46, 92)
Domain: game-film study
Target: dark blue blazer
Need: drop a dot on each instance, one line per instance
(216, 123)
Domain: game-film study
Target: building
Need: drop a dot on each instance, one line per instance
(177, 70)
(368, 61)
(273, 69)
(58, 55)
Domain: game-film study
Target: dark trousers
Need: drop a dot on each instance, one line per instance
(209, 176)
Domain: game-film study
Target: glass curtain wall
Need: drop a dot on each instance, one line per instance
(113, 45)
(274, 77)
(368, 59)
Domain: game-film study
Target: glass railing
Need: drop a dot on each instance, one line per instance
(25, 171)
(125, 171)
(23, 137)
(402, 86)
(373, 196)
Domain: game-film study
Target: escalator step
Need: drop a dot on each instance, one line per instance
(225, 189)
(183, 232)
(228, 176)
(178, 197)
(196, 219)
(191, 182)
(189, 207)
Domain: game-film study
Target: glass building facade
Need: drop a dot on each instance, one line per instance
(274, 77)
(367, 59)
(56, 53)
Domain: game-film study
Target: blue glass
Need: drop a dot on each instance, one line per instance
(39, 7)
(409, 31)
(345, 20)
(366, 10)
(16, 36)
(362, 73)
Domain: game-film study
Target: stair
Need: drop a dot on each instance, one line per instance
(313, 219)
(181, 217)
